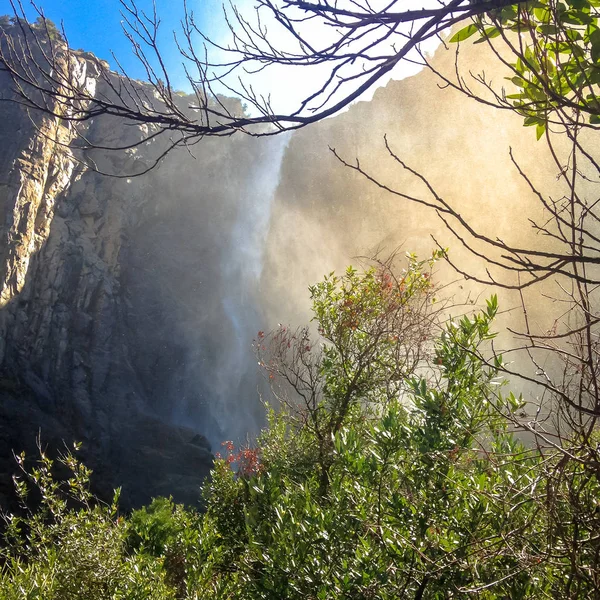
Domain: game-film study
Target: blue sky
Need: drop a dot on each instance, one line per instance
(95, 26)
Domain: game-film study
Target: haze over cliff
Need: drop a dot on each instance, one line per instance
(129, 304)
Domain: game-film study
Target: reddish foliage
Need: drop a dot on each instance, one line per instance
(247, 459)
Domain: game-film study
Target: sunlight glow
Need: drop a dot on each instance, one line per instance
(285, 86)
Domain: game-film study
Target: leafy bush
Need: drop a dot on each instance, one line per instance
(168, 531)
(72, 547)
(427, 495)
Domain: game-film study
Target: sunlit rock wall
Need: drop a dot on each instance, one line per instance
(129, 305)
(326, 215)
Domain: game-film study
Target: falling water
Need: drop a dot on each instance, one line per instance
(224, 388)
(242, 272)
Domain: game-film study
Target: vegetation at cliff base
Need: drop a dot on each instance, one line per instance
(396, 462)
(389, 471)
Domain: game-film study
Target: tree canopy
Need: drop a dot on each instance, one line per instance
(424, 495)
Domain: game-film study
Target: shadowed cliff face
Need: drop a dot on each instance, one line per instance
(129, 305)
(191, 268)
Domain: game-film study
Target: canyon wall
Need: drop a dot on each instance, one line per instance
(124, 301)
(129, 305)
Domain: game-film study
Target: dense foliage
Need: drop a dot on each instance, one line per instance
(554, 59)
(419, 493)
(391, 468)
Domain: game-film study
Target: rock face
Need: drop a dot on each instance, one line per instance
(127, 306)
(93, 272)
(326, 214)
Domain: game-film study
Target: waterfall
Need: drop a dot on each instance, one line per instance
(229, 380)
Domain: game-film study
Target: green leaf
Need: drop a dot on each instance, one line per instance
(508, 12)
(533, 120)
(518, 81)
(575, 17)
(594, 39)
(579, 4)
(542, 14)
(540, 130)
(548, 29)
(464, 33)
(488, 34)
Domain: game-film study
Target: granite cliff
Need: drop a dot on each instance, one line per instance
(127, 306)
(112, 317)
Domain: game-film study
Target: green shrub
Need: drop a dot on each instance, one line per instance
(428, 494)
(72, 547)
(168, 531)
